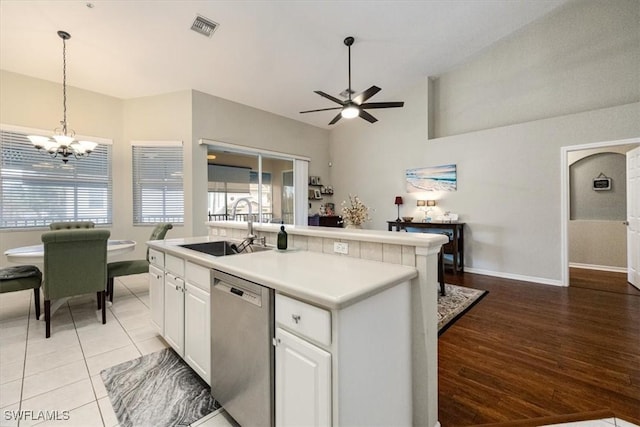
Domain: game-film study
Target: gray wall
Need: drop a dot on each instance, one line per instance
(221, 120)
(183, 116)
(587, 203)
(583, 57)
(509, 188)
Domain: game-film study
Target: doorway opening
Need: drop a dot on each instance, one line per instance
(566, 154)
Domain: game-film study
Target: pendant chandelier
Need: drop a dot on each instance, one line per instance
(63, 142)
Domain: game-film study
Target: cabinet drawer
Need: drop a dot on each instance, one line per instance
(156, 258)
(199, 276)
(174, 264)
(304, 319)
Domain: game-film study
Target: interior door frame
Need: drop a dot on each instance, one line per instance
(564, 204)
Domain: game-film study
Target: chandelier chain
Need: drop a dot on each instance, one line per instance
(64, 86)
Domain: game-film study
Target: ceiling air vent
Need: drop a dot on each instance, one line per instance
(204, 26)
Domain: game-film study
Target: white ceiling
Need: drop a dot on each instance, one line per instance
(270, 55)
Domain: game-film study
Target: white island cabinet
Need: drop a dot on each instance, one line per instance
(197, 323)
(187, 311)
(156, 289)
(349, 333)
(332, 366)
(303, 382)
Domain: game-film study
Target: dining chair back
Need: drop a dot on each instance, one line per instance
(75, 263)
(135, 266)
(70, 225)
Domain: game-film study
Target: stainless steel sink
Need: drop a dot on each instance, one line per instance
(224, 248)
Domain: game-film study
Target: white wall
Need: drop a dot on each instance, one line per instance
(509, 187)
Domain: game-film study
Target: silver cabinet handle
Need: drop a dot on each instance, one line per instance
(296, 318)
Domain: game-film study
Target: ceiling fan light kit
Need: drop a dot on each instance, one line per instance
(355, 107)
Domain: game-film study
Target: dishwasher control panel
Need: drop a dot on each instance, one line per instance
(243, 289)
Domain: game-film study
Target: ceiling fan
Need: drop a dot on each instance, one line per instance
(355, 107)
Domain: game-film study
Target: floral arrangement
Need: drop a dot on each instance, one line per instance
(354, 213)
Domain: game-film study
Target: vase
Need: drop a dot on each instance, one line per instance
(353, 226)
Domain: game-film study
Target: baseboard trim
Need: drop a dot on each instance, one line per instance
(532, 279)
(598, 267)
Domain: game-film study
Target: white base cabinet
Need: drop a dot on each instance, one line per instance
(174, 312)
(333, 366)
(197, 331)
(156, 297)
(187, 313)
(303, 382)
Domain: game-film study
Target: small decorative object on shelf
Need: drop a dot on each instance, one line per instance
(354, 213)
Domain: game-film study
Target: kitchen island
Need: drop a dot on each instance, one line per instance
(375, 332)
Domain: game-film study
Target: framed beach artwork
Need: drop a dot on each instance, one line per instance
(434, 178)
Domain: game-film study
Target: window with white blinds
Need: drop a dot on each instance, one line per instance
(158, 193)
(36, 189)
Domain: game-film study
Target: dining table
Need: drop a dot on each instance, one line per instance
(34, 254)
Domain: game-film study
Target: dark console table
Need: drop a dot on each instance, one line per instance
(455, 231)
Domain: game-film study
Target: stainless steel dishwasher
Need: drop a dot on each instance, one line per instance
(242, 353)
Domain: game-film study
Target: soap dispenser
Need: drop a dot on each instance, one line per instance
(282, 239)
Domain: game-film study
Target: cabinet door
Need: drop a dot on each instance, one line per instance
(156, 297)
(197, 327)
(303, 382)
(174, 312)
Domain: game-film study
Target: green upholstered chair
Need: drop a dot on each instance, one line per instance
(70, 225)
(136, 266)
(20, 278)
(75, 263)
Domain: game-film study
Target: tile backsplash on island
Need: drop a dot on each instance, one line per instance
(376, 251)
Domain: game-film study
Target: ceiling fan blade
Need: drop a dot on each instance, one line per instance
(326, 95)
(336, 118)
(382, 104)
(368, 117)
(366, 94)
(321, 109)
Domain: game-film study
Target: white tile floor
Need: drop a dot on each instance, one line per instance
(60, 376)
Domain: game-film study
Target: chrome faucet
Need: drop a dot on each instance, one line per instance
(234, 208)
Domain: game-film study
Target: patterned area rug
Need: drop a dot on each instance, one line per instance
(457, 301)
(157, 389)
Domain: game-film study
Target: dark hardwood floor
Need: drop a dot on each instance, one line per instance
(529, 350)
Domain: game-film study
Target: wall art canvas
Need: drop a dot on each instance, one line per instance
(435, 178)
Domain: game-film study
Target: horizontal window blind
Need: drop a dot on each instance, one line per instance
(36, 189)
(158, 193)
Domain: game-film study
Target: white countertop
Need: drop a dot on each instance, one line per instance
(330, 281)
